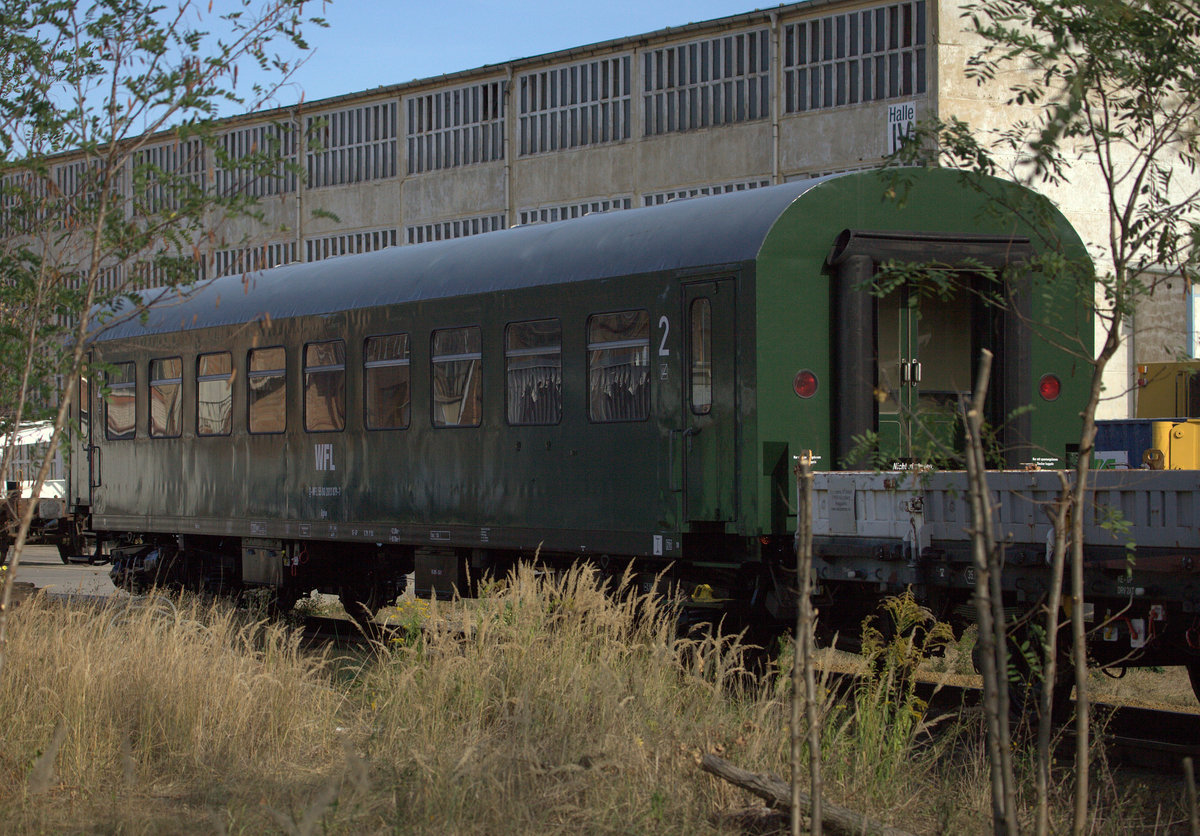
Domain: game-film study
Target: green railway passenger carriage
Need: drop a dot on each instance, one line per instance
(626, 386)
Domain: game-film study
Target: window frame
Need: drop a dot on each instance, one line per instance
(701, 355)
(578, 105)
(875, 54)
(331, 368)
(713, 81)
(531, 352)
(369, 365)
(227, 377)
(456, 126)
(593, 347)
(435, 358)
(85, 404)
(155, 382)
(251, 375)
(106, 397)
(355, 144)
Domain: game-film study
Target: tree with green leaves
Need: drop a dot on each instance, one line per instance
(108, 144)
(1108, 98)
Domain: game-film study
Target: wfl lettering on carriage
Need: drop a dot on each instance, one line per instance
(323, 462)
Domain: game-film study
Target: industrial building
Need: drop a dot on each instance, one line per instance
(740, 102)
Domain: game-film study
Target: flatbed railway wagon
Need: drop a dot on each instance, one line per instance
(627, 388)
(877, 534)
(50, 523)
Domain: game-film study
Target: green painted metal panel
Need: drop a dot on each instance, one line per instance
(708, 440)
(577, 485)
(795, 298)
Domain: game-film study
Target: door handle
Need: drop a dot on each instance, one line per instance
(672, 484)
(677, 485)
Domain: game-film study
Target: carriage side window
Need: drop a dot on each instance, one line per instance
(457, 390)
(166, 397)
(325, 386)
(700, 360)
(619, 366)
(214, 393)
(120, 407)
(533, 372)
(386, 382)
(267, 384)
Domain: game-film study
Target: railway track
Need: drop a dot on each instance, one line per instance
(1175, 736)
(1145, 738)
(316, 629)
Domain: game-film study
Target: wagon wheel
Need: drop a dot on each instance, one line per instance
(1025, 694)
(285, 600)
(1026, 684)
(361, 602)
(1193, 669)
(97, 556)
(73, 543)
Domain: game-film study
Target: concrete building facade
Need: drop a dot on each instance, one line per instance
(741, 102)
(736, 103)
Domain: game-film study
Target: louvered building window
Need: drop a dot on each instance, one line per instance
(168, 176)
(570, 107)
(457, 228)
(659, 198)
(251, 259)
(352, 145)
(254, 161)
(861, 56)
(562, 212)
(329, 246)
(456, 127)
(715, 81)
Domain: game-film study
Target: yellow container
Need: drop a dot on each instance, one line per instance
(1169, 390)
(1179, 443)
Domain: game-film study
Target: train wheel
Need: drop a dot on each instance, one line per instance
(285, 600)
(1025, 697)
(93, 548)
(1193, 669)
(1026, 683)
(361, 603)
(72, 544)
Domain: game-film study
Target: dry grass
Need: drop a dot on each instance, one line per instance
(550, 705)
(156, 699)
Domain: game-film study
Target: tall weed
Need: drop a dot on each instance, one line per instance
(155, 688)
(551, 704)
(551, 701)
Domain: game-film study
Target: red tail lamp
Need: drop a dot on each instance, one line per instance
(805, 383)
(1049, 387)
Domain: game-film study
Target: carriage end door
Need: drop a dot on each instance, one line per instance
(925, 348)
(710, 410)
(80, 465)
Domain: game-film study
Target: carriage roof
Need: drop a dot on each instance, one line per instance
(723, 229)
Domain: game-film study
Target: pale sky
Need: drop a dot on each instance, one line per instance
(373, 43)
